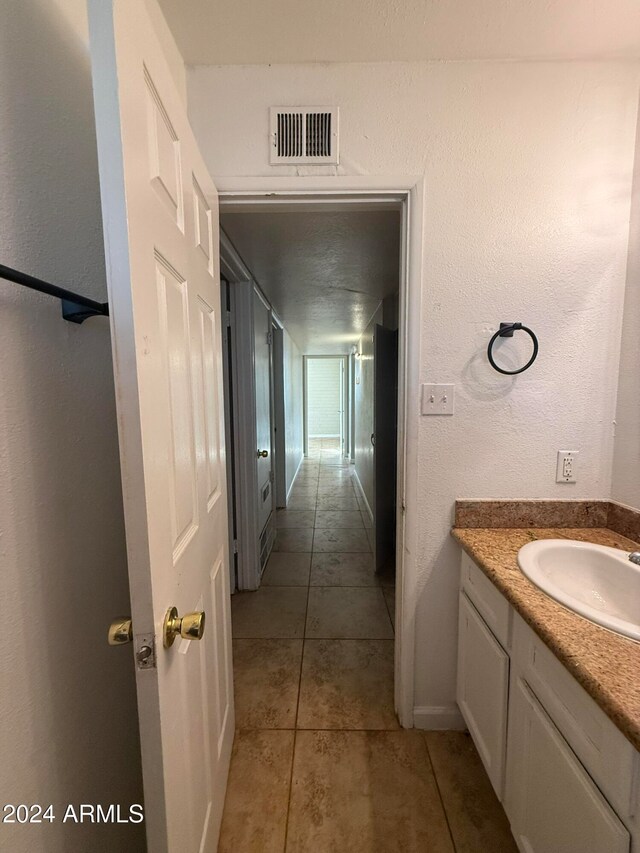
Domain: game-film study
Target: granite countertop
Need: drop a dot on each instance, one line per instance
(605, 664)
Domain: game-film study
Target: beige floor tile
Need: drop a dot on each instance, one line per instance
(347, 684)
(339, 490)
(341, 541)
(269, 612)
(476, 818)
(364, 792)
(287, 569)
(366, 519)
(336, 502)
(335, 475)
(343, 570)
(302, 502)
(255, 809)
(294, 539)
(294, 518)
(338, 518)
(306, 490)
(307, 472)
(266, 676)
(347, 613)
(389, 593)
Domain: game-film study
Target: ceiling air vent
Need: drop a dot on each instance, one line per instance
(304, 135)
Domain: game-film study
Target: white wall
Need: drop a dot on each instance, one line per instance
(626, 460)
(293, 408)
(363, 412)
(323, 396)
(527, 171)
(67, 703)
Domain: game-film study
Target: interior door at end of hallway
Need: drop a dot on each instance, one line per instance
(262, 369)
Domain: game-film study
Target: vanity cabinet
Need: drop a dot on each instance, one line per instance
(568, 778)
(551, 801)
(483, 690)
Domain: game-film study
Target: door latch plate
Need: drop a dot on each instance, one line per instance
(145, 651)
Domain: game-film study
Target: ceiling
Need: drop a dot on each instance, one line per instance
(232, 32)
(324, 272)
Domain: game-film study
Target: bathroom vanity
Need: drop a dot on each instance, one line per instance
(552, 702)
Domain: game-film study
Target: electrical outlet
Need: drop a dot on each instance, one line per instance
(567, 466)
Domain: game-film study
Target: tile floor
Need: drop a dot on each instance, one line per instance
(319, 762)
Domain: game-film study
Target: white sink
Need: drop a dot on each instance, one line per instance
(597, 582)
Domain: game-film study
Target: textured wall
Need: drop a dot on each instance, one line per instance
(69, 729)
(323, 396)
(363, 414)
(626, 460)
(527, 170)
(293, 408)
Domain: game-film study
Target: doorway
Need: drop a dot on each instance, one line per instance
(326, 401)
(279, 199)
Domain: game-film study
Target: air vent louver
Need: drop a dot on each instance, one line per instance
(304, 135)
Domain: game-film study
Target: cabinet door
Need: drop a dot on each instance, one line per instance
(483, 688)
(553, 804)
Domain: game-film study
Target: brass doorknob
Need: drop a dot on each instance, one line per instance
(120, 632)
(190, 626)
(263, 453)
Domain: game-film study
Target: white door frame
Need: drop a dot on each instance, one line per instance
(409, 192)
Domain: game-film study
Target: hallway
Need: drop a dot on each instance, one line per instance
(319, 761)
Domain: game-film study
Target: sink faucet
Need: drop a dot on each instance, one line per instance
(634, 556)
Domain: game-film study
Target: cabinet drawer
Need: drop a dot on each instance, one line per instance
(483, 689)
(492, 605)
(551, 801)
(606, 754)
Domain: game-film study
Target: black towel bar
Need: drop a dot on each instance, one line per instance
(75, 308)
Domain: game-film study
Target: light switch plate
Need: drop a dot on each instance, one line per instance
(437, 399)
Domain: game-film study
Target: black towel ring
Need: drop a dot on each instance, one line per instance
(506, 330)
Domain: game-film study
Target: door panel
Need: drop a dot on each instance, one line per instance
(385, 440)
(483, 690)
(161, 234)
(262, 368)
(553, 804)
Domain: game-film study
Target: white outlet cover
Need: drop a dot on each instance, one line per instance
(567, 466)
(438, 399)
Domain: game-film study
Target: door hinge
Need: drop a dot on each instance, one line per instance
(271, 476)
(228, 319)
(145, 651)
(234, 546)
(269, 338)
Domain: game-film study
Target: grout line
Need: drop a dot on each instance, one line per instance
(286, 822)
(324, 639)
(437, 784)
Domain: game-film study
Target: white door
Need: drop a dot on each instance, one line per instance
(262, 368)
(161, 231)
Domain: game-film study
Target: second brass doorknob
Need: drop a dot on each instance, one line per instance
(190, 626)
(263, 453)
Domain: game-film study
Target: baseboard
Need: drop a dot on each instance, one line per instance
(362, 495)
(438, 718)
(294, 477)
